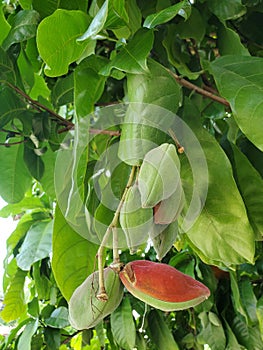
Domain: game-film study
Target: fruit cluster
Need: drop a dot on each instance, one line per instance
(157, 284)
(156, 198)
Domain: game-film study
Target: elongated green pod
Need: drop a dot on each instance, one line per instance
(162, 286)
(159, 175)
(170, 208)
(85, 310)
(135, 221)
(160, 333)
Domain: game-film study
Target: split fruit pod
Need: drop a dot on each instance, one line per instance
(162, 286)
(85, 310)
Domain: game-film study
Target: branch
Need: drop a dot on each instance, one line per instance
(102, 294)
(105, 132)
(40, 105)
(10, 132)
(6, 144)
(68, 125)
(199, 90)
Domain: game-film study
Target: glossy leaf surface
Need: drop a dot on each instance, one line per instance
(239, 80)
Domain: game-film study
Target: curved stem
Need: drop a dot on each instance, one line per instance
(40, 105)
(199, 90)
(102, 294)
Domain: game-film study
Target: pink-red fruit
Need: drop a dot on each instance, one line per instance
(162, 286)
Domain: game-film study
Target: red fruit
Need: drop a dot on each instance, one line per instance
(162, 286)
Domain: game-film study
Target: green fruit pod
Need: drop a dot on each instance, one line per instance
(162, 286)
(169, 209)
(85, 310)
(135, 221)
(159, 175)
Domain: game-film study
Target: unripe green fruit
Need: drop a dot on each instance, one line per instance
(135, 221)
(169, 209)
(85, 310)
(159, 175)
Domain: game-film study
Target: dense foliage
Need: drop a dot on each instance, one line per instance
(69, 69)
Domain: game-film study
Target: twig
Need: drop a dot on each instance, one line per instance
(116, 256)
(180, 148)
(105, 132)
(6, 144)
(199, 90)
(40, 105)
(102, 294)
(10, 132)
(93, 131)
(69, 337)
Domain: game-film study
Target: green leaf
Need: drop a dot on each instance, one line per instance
(229, 238)
(97, 23)
(26, 70)
(42, 283)
(27, 203)
(229, 42)
(249, 337)
(87, 95)
(134, 15)
(63, 90)
(7, 69)
(14, 299)
(41, 126)
(132, 58)
(140, 343)
(117, 14)
(175, 55)
(47, 180)
(4, 25)
(212, 332)
(227, 9)
(23, 226)
(34, 163)
(24, 26)
(14, 176)
(10, 107)
(39, 88)
(183, 8)
(259, 311)
(250, 185)
(36, 246)
(33, 307)
(73, 256)
(160, 333)
(249, 300)
(24, 342)
(25, 4)
(143, 118)
(164, 240)
(48, 7)
(232, 342)
(52, 338)
(239, 80)
(194, 27)
(58, 318)
(62, 48)
(122, 325)
(236, 299)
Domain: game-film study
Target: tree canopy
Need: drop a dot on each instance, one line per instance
(132, 131)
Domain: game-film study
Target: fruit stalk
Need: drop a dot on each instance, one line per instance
(102, 294)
